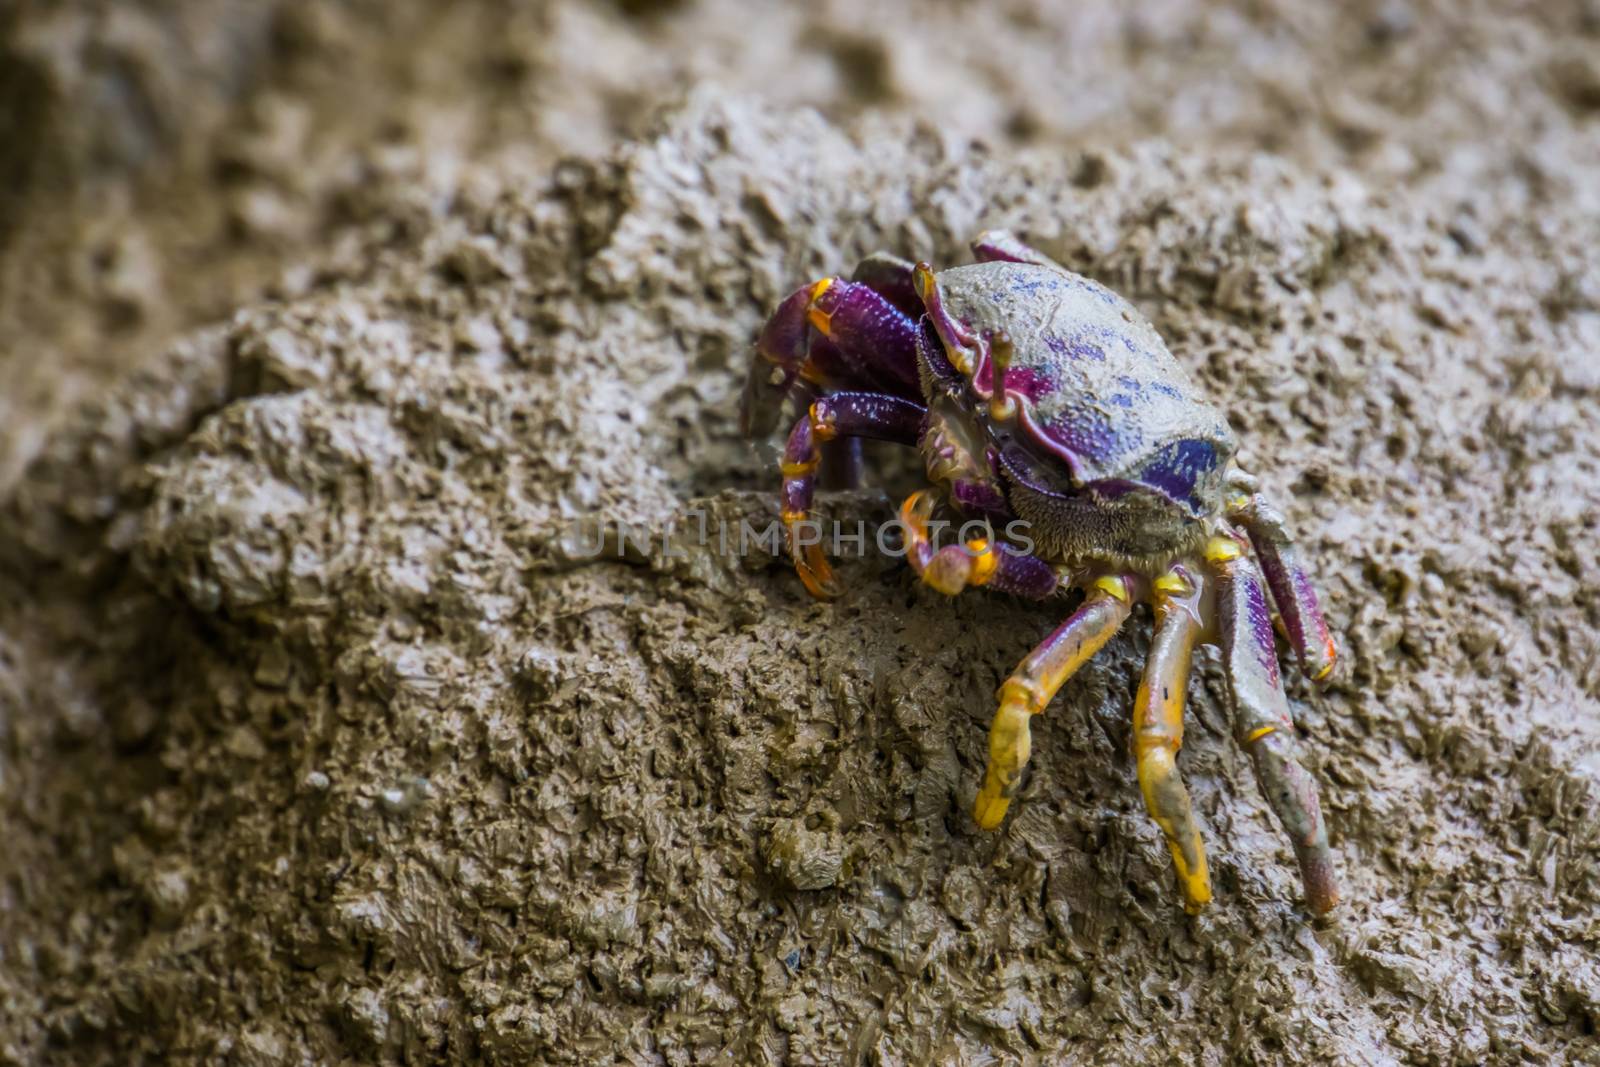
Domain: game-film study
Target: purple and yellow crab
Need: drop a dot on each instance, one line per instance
(1038, 395)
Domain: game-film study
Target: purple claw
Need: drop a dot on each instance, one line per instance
(877, 339)
(981, 561)
(891, 277)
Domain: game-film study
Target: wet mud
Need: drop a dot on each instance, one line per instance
(324, 738)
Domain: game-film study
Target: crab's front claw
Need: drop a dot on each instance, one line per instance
(949, 569)
(915, 511)
(979, 562)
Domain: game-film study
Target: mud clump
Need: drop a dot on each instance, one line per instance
(802, 856)
(319, 740)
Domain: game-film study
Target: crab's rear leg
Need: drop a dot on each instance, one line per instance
(1158, 730)
(1261, 716)
(1002, 246)
(1035, 682)
(1292, 591)
(891, 277)
(831, 418)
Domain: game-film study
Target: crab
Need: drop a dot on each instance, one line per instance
(1045, 404)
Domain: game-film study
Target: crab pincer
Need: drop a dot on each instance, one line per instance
(979, 561)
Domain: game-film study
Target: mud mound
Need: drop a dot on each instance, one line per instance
(364, 760)
(327, 351)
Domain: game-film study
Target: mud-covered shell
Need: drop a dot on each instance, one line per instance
(1100, 390)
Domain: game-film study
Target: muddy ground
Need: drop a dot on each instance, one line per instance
(322, 324)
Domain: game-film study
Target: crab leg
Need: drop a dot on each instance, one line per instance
(1158, 730)
(841, 415)
(1035, 681)
(790, 356)
(890, 276)
(1291, 587)
(1002, 246)
(978, 562)
(1261, 716)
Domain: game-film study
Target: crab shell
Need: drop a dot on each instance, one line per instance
(1108, 448)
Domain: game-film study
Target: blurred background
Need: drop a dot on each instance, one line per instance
(163, 161)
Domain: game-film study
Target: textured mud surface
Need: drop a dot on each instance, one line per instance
(320, 742)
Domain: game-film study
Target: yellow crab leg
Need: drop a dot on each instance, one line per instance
(1035, 681)
(1158, 731)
